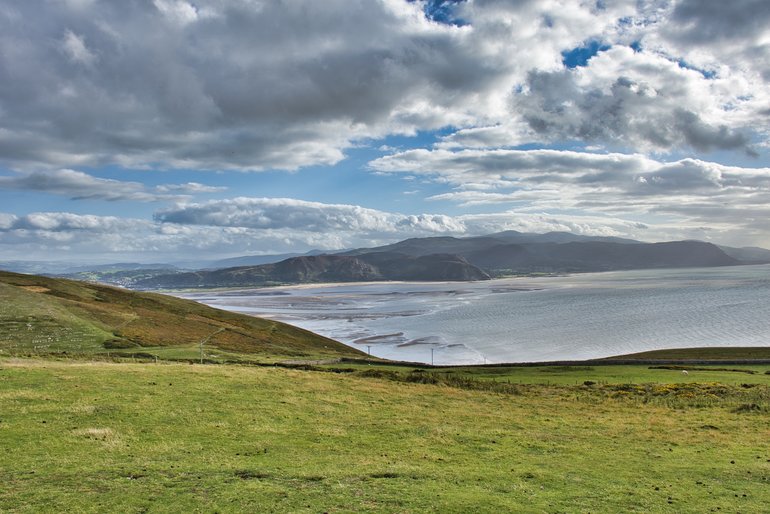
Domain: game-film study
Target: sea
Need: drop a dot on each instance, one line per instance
(525, 319)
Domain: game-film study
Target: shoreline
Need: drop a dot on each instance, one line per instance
(557, 275)
(313, 285)
(544, 277)
(367, 315)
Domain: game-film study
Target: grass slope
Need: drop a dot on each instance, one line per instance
(46, 315)
(104, 437)
(705, 353)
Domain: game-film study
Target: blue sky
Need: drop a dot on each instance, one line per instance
(171, 129)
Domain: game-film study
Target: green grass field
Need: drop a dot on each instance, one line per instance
(107, 437)
(103, 408)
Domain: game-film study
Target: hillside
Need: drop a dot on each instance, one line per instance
(748, 255)
(600, 256)
(555, 252)
(47, 315)
(426, 259)
(433, 267)
(468, 246)
(255, 260)
(461, 259)
(326, 268)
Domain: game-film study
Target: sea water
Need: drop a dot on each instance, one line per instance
(526, 319)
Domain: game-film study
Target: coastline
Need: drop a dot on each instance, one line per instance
(537, 277)
(573, 317)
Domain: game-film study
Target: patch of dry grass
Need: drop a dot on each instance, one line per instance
(107, 436)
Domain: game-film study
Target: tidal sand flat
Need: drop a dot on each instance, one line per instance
(526, 319)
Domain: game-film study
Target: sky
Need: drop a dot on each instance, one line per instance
(166, 130)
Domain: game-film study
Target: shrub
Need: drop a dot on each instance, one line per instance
(747, 407)
(116, 344)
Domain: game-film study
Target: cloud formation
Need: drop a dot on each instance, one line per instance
(661, 103)
(291, 214)
(256, 85)
(690, 193)
(232, 84)
(636, 100)
(348, 226)
(214, 229)
(81, 186)
(713, 34)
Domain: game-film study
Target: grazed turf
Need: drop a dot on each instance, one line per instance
(98, 437)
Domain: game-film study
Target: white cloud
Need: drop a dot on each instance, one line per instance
(713, 35)
(539, 222)
(252, 225)
(303, 216)
(497, 167)
(329, 226)
(7, 220)
(75, 48)
(688, 193)
(232, 84)
(636, 100)
(107, 238)
(178, 11)
(66, 222)
(189, 188)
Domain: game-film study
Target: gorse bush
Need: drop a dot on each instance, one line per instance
(419, 376)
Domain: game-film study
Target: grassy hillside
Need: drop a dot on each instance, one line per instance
(105, 437)
(324, 268)
(45, 315)
(704, 353)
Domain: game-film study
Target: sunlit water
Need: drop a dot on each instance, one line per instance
(526, 319)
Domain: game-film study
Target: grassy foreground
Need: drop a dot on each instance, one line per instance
(106, 437)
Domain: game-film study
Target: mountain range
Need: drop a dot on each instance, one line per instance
(326, 268)
(471, 258)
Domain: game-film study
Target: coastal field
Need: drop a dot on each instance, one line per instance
(105, 406)
(121, 437)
